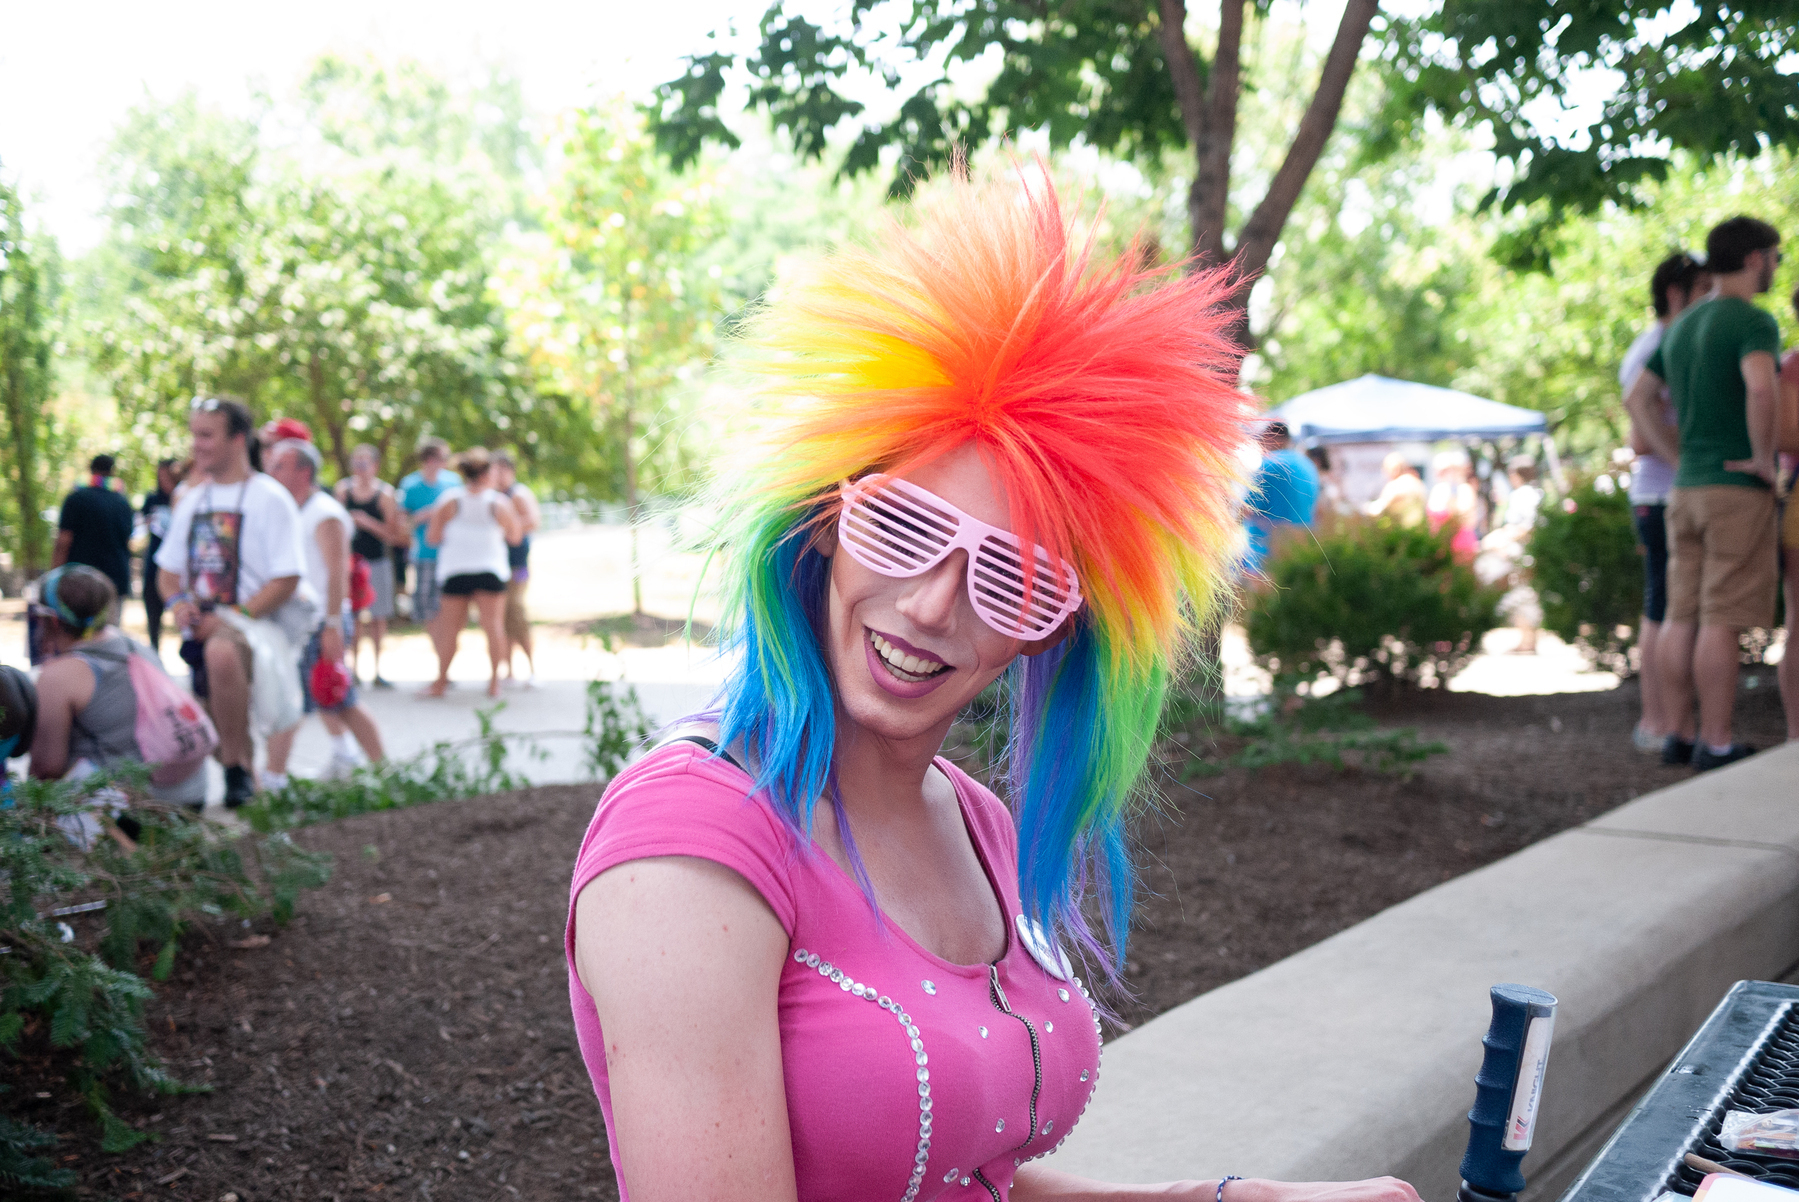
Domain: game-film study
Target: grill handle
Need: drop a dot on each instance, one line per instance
(1507, 1091)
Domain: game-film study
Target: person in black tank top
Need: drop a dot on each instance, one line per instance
(376, 513)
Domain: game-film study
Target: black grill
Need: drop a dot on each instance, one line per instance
(1745, 1057)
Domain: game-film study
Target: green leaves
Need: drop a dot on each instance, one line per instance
(1710, 80)
(79, 986)
(1588, 571)
(1369, 603)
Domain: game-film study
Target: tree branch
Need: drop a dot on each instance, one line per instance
(1256, 242)
(1209, 199)
(1183, 71)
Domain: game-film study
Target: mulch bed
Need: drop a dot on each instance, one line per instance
(409, 1034)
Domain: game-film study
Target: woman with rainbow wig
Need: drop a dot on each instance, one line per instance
(809, 958)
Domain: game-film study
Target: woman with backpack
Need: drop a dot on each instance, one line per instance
(103, 696)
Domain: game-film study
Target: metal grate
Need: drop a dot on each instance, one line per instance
(1770, 1082)
(1745, 1057)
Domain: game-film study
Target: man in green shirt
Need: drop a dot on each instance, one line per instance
(1718, 362)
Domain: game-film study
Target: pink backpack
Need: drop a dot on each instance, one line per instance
(173, 732)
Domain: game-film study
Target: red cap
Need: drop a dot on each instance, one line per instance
(330, 683)
(291, 427)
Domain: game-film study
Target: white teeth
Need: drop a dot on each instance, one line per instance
(900, 661)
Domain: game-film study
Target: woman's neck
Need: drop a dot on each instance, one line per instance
(877, 775)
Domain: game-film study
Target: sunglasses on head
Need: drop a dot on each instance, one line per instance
(898, 529)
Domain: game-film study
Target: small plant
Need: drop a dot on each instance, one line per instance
(22, 1170)
(616, 727)
(1369, 603)
(1588, 571)
(81, 992)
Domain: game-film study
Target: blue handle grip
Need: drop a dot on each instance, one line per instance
(1507, 1089)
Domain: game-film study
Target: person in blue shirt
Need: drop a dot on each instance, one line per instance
(1284, 493)
(418, 493)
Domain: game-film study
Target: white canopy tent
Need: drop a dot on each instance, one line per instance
(1379, 409)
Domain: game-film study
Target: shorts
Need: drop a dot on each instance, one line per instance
(381, 581)
(518, 620)
(1652, 536)
(425, 597)
(466, 584)
(1789, 525)
(310, 658)
(193, 654)
(1721, 556)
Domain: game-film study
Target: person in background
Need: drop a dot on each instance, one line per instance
(1331, 501)
(1788, 445)
(518, 558)
(1282, 496)
(95, 529)
(1508, 542)
(192, 477)
(158, 504)
(18, 723)
(281, 429)
(372, 506)
(470, 529)
(87, 710)
(1451, 502)
(1717, 360)
(1678, 282)
(1402, 498)
(233, 541)
(418, 492)
(325, 534)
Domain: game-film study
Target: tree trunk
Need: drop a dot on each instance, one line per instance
(631, 512)
(24, 396)
(1255, 242)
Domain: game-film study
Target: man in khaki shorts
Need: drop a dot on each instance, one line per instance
(1718, 362)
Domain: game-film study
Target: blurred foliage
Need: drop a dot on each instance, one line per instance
(79, 994)
(1588, 571)
(1692, 82)
(1371, 603)
(30, 442)
(612, 307)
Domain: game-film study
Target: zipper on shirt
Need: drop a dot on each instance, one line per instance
(982, 1178)
(998, 996)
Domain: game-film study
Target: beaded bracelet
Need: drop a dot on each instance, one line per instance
(1221, 1182)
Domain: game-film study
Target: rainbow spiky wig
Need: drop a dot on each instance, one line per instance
(1099, 395)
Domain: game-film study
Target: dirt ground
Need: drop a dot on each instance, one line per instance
(409, 1034)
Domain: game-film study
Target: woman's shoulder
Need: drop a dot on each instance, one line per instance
(681, 800)
(987, 814)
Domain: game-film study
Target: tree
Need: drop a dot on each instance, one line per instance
(614, 306)
(345, 282)
(1691, 83)
(1124, 76)
(28, 273)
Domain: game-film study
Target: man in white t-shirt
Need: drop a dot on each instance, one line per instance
(325, 533)
(233, 543)
(1678, 282)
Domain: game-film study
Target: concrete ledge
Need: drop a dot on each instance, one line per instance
(1356, 1057)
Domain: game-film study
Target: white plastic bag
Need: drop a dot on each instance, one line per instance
(275, 700)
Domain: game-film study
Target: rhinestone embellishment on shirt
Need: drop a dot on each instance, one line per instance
(868, 993)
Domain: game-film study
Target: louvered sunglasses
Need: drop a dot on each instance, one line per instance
(894, 527)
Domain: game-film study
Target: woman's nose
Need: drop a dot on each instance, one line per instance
(930, 599)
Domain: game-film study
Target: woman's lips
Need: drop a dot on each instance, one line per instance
(883, 676)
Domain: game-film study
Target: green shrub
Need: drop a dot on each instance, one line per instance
(1369, 603)
(1588, 572)
(75, 916)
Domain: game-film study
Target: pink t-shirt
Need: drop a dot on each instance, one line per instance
(907, 1076)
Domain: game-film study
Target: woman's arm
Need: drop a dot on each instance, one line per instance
(506, 514)
(1035, 1183)
(397, 534)
(442, 512)
(60, 696)
(683, 960)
